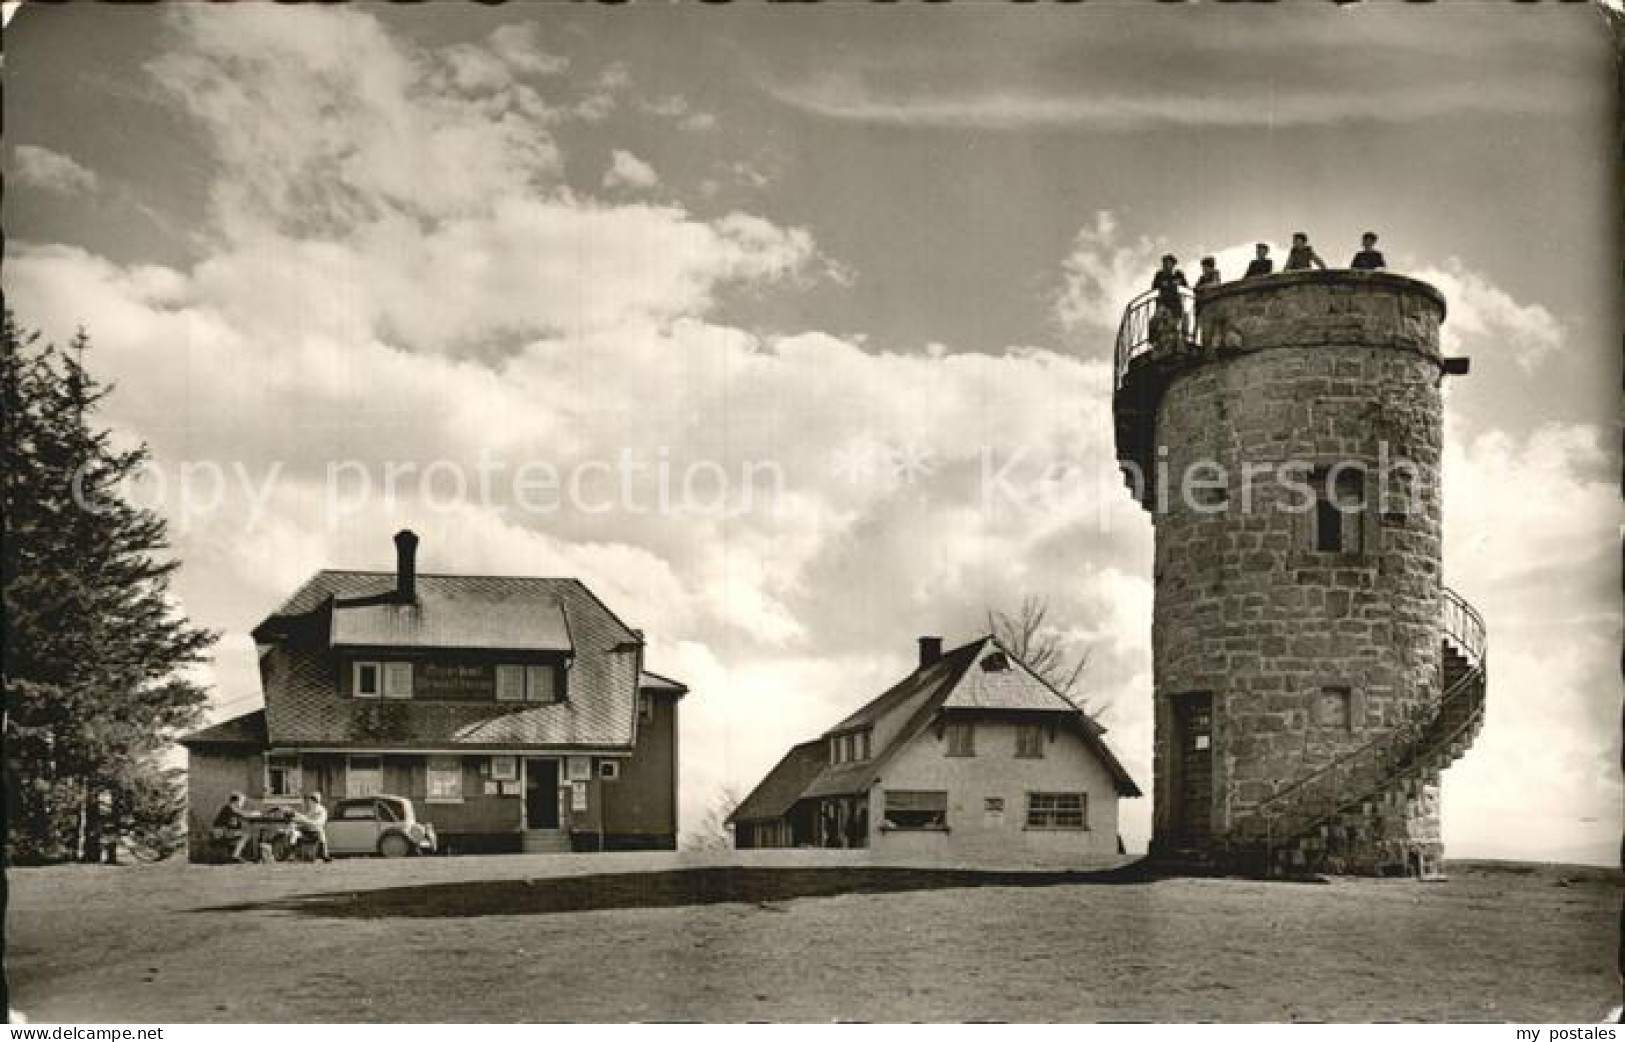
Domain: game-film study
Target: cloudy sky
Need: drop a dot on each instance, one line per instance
(875, 252)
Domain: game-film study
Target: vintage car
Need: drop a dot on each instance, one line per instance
(385, 825)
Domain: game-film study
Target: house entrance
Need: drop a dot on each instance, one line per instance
(541, 794)
(1192, 817)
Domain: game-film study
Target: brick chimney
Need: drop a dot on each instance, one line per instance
(930, 651)
(406, 565)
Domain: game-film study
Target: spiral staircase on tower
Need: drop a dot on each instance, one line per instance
(1289, 832)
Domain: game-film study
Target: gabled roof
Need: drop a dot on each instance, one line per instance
(980, 676)
(648, 681)
(775, 794)
(248, 729)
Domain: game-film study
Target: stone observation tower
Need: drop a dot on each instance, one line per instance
(1312, 674)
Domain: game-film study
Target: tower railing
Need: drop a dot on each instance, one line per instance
(1138, 332)
(1361, 773)
(1465, 626)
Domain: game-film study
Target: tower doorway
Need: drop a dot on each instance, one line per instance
(1191, 820)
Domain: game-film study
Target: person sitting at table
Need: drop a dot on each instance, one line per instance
(229, 826)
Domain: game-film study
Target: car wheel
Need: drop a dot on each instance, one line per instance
(395, 845)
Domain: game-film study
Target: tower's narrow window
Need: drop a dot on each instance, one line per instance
(1333, 707)
(1339, 510)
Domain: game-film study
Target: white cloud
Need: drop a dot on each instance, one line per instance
(1482, 312)
(39, 167)
(628, 171)
(1102, 274)
(520, 46)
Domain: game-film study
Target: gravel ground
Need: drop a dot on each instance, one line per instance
(799, 936)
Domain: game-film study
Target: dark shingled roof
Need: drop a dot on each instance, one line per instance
(484, 614)
(248, 729)
(775, 794)
(601, 704)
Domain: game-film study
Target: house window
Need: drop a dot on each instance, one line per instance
(397, 680)
(1332, 707)
(993, 806)
(504, 768)
(282, 777)
(914, 809)
(1339, 502)
(510, 683)
(863, 745)
(1057, 810)
(369, 680)
(364, 776)
(835, 749)
(961, 738)
(356, 810)
(609, 770)
(1030, 741)
(646, 708)
(445, 779)
(541, 684)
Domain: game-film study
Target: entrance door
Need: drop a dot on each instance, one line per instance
(1193, 778)
(541, 794)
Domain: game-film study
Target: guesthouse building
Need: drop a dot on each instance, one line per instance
(516, 713)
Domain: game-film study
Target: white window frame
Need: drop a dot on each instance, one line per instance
(609, 770)
(352, 774)
(1054, 810)
(510, 679)
(377, 675)
(504, 768)
(443, 769)
(1035, 732)
(965, 727)
(903, 798)
(295, 771)
(397, 680)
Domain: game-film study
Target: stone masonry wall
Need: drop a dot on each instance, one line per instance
(1311, 371)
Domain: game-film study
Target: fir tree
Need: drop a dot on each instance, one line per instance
(94, 646)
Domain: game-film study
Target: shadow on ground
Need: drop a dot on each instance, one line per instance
(671, 889)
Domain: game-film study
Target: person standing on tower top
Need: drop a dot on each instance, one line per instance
(1167, 282)
(1210, 274)
(1369, 258)
(1261, 264)
(1302, 255)
(1168, 319)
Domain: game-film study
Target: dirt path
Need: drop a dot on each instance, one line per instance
(537, 938)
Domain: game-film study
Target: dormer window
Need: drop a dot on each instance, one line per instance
(368, 680)
(528, 684)
(997, 662)
(397, 680)
(851, 747)
(381, 680)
